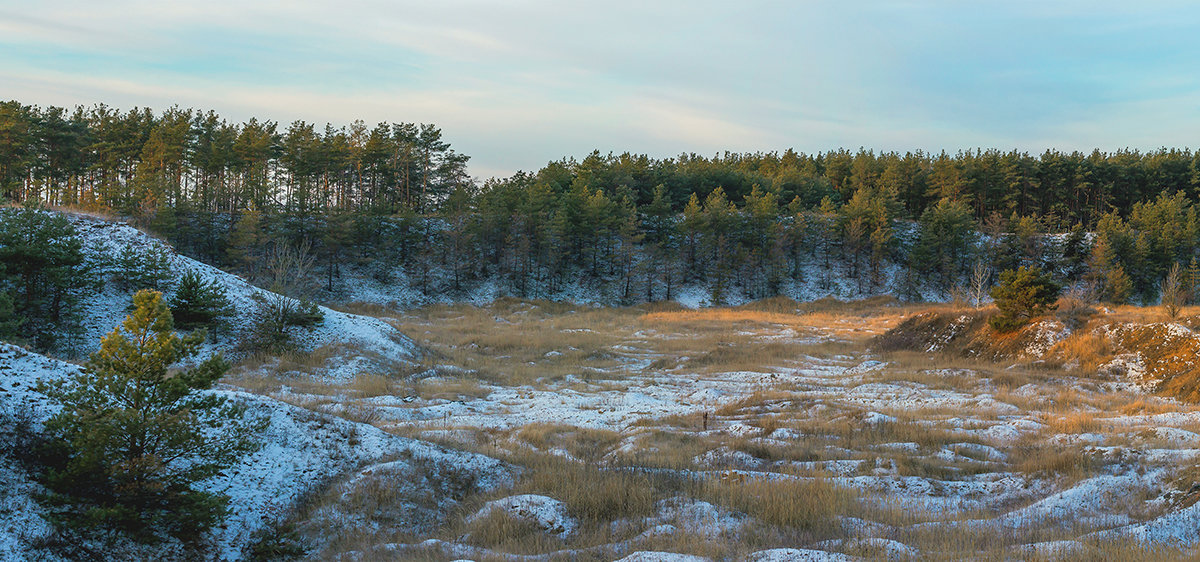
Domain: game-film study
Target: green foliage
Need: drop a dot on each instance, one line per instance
(945, 241)
(133, 437)
(1022, 294)
(197, 303)
(1117, 286)
(10, 323)
(42, 272)
(144, 269)
(366, 195)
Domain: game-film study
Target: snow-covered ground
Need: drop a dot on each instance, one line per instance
(300, 451)
(1041, 462)
(1049, 462)
(374, 344)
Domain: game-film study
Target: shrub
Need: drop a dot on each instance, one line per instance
(1174, 292)
(1022, 294)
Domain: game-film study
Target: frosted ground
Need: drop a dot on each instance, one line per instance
(523, 430)
(940, 458)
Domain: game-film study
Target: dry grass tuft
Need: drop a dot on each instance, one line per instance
(1085, 351)
(808, 505)
(1073, 423)
(589, 445)
(369, 385)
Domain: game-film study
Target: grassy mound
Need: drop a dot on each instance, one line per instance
(967, 334)
(1165, 357)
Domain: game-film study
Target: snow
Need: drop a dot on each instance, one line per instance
(300, 450)
(700, 518)
(798, 555)
(653, 556)
(1045, 334)
(21, 524)
(374, 343)
(945, 445)
(548, 514)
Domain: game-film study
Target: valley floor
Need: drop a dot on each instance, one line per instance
(765, 432)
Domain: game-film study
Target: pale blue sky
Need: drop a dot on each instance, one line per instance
(517, 84)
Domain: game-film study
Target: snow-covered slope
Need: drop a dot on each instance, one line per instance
(375, 342)
(300, 451)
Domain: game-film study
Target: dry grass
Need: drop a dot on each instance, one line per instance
(588, 445)
(611, 488)
(667, 449)
(1073, 423)
(306, 362)
(806, 505)
(1084, 350)
(1036, 457)
(369, 385)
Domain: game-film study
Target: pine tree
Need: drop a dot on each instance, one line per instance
(144, 269)
(10, 323)
(133, 438)
(198, 304)
(1193, 280)
(244, 239)
(42, 269)
(1022, 294)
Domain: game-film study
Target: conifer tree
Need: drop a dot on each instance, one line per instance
(1022, 294)
(42, 269)
(244, 239)
(133, 438)
(198, 304)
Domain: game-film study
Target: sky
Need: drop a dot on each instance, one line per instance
(517, 84)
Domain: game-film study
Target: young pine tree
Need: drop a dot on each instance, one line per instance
(133, 439)
(1022, 293)
(198, 304)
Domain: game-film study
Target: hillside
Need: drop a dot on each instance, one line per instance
(366, 343)
(301, 452)
(778, 430)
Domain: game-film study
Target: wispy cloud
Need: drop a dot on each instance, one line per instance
(516, 84)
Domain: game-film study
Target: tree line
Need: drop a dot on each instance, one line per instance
(138, 163)
(397, 196)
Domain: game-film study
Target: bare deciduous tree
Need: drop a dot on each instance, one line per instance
(977, 287)
(1174, 294)
(286, 273)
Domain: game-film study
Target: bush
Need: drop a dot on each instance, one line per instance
(132, 438)
(1022, 294)
(1174, 293)
(276, 314)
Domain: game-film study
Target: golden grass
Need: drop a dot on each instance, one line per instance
(1036, 457)
(500, 531)
(1073, 423)
(369, 385)
(516, 342)
(1084, 350)
(667, 449)
(589, 445)
(807, 505)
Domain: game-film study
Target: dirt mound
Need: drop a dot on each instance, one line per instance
(1166, 357)
(1163, 357)
(966, 333)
